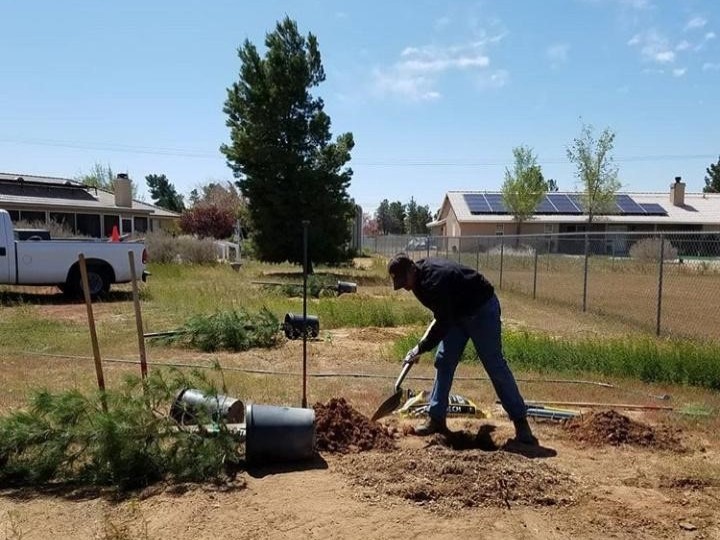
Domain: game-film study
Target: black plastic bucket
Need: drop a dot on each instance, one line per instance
(189, 402)
(293, 326)
(278, 434)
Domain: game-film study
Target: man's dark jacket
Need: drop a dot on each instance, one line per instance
(451, 291)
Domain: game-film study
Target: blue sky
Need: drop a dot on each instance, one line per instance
(436, 93)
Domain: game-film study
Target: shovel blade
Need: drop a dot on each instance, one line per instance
(388, 406)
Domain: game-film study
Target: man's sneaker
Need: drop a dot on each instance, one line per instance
(523, 433)
(431, 426)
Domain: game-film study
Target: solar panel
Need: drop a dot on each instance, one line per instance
(495, 200)
(627, 205)
(577, 201)
(564, 204)
(653, 209)
(545, 207)
(476, 203)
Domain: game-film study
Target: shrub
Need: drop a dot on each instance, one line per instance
(648, 250)
(164, 248)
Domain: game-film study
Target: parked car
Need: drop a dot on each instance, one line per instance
(421, 243)
(39, 260)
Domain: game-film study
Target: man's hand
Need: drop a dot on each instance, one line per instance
(412, 356)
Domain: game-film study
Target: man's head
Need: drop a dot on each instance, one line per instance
(402, 270)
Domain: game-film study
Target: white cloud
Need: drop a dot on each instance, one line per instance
(711, 66)
(496, 79)
(679, 72)
(683, 46)
(695, 22)
(557, 54)
(442, 22)
(417, 72)
(710, 35)
(653, 47)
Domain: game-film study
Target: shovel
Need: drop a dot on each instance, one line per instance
(394, 401)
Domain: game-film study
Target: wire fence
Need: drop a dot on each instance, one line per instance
(664, 282)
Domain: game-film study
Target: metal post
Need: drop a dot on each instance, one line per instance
(477, 256)
(502, 257)
(305, 224)
(459, 249)
(548, 252)
(585, 276)
(428, 246)
(535, 274)
(447, 247)
(660, 285)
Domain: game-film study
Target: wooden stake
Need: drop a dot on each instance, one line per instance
(138, 316)
(93, 333)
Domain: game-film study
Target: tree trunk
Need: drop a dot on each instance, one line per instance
(518, 227)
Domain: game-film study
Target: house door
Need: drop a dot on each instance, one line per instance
(618, 239)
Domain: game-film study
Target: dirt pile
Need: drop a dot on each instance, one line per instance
(444, 479)
(466, 440)
(340, 428)
(613, 428)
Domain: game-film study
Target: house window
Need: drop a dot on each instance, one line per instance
(109, 222)
(141, 225)
(499, 229)
(127, 226)
(65, 220)
(33, 217)
(88, 225)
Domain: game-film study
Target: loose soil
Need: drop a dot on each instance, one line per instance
(340, 428)
(610, 427)
(444, 479)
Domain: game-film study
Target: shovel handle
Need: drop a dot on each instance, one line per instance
(403, 373)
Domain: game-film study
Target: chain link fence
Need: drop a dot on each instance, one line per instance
(664, 282)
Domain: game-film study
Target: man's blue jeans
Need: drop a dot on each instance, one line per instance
(483, 328)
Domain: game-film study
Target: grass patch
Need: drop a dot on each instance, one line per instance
(646, 359)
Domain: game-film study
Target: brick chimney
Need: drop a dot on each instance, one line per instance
(123, 191)
(677, 192)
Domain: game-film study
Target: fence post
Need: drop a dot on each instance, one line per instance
(660, 284)
(585, 271)
(477, 256)
(459, 249)
(502, 257)
(428, 246)
(535, 274)
(548, 252)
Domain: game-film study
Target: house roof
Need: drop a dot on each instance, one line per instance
(48, 193)
(699, 208)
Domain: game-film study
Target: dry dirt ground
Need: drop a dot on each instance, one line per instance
(572, 487)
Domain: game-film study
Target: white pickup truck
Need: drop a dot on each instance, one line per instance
(41, 261)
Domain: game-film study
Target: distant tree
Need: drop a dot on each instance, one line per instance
(102, 176)
(397, 217)
(712, 179)
(417, 217)
(208, 222)
(524, 186)
(596, 170)
(282, 153)
(383, 217)
(370, 225)
(551, 185)
(224, 196)
(163, 193)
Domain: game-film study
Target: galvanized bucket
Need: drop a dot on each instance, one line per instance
(190, 402)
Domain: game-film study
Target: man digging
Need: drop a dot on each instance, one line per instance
(465, 306)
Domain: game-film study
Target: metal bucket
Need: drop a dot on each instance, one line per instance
(189, 402)
(293, 326)
(277, 434)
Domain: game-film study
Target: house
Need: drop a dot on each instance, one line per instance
(87, 211)
(481, 213)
